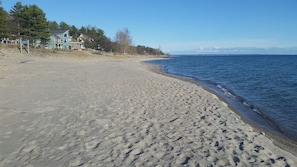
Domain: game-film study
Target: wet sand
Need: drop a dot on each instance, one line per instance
(65, 111)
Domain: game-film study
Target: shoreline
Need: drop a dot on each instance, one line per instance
(65, 110)
(280, 141)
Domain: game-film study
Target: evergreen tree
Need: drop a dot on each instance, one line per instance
(16, 13)
(73, 31)
(106, 44)
(83, 30)
(33, 24)
(3, 22)
(53, 25)
(64, 26)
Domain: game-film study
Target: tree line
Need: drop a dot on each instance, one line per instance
(30, 22)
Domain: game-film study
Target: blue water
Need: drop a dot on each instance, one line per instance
(262, 88)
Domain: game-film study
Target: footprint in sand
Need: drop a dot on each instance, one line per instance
(91, 145)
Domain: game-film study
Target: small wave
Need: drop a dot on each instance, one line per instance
(227, 93)
(257, 111)
(247, 104)
(272, 123)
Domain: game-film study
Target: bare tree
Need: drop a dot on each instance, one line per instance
(124, 39)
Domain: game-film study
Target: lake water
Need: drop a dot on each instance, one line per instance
(262, 88)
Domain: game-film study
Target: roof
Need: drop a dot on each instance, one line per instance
(55, 35)
(85, 37)
(58, 31)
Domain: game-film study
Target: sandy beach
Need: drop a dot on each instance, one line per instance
(102, 111)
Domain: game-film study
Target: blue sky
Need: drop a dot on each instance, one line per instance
(188, 26)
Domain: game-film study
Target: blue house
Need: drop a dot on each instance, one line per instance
(59, 39)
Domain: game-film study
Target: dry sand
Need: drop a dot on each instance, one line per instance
(115, 112)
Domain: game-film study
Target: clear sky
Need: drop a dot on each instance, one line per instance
(185, 26)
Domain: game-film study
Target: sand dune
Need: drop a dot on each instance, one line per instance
(116, 112)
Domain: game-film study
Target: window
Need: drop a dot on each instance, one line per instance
(65, 35)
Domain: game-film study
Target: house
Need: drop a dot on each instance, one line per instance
(83, 38)
(59, 39)
(5, 40)
(90, 41)
(75, 45)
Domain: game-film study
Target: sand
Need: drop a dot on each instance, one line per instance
(63, 111)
